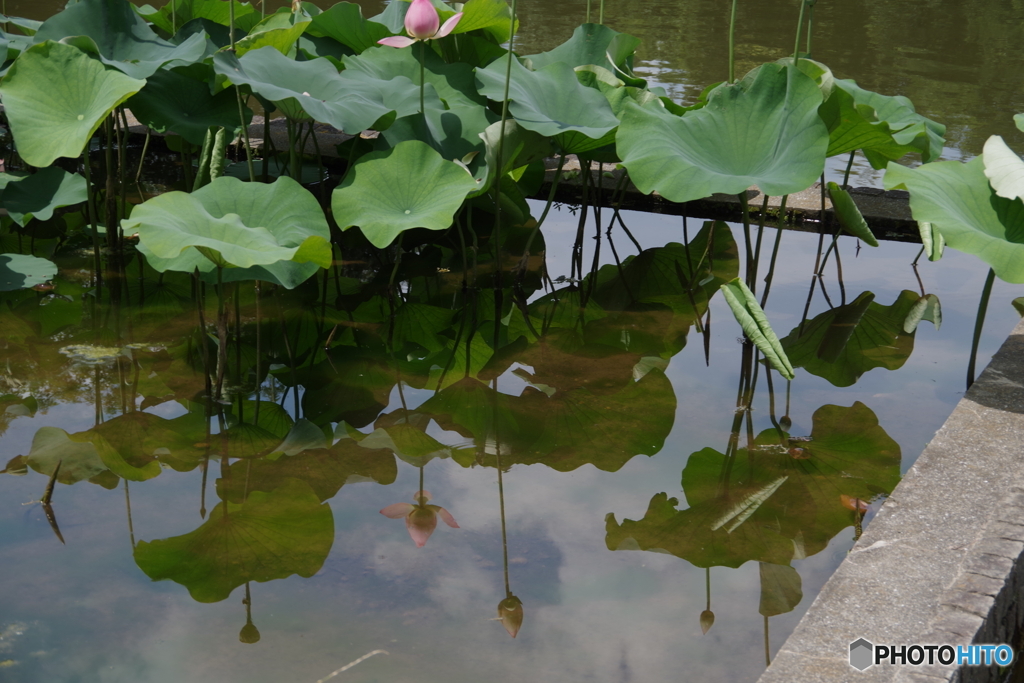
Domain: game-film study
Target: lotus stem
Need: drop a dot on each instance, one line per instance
(423, 79)
(600, 14)
(978, 323)
(231, 23)
(732, 43)
(799, 28)
(810, 26)
(499, 157)
(588, 11)
(849, 166)
(245, 136)
(91, 207)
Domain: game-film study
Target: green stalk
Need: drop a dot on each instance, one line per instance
(499, 160)
(810, 26)
(91, 204)
(978, 323)
(245, 136)
(423, 80)
(600, 15)
(588, 12)
(732, 43)
(799, 28)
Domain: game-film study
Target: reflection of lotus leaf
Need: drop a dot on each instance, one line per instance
(269, 536)
(786, 506)
(844, 342)
(326, 470)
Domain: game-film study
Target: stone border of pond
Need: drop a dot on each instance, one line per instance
(941, 562)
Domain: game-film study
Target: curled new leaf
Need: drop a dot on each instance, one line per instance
(755, 325)
(849, 215)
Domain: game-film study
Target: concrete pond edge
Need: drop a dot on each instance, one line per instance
(941, 563)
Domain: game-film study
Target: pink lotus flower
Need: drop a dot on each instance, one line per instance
(421, 23)
(420, 519)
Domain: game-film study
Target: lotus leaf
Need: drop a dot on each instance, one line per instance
(591, 44)
(548, 101)
(490, 16)
(853, 126)
(85, 455)
(454, 83)
(763, 131)
(844, 342)
(455, 134)
(20, 271)
(174, 102)
(1003, 168)
(958, 201)
(270, 536)
(344, 22)
(756, 326)
(314, 86)
(36, 196)
(119, 36)
(176, 13)
(408, 186)
(274, 232)
(56, 96)
(849, 215)
(907, 126)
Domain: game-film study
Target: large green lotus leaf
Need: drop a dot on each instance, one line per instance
(326, 470)
(314, 86)
(119, 36)
(344, 22)
(271, 33)
(36, 196)
(454, 83)
(548, 101)
(844, 342)
(590, 44)
(270, 536)
(853, 126)
(454, 134)
(1003, 168)
(958, 201)
(21, 271)
(274, 232)
(56, 96)
(907, 126)
(408, 186)
(490, 16)
(780, 589)
(173, 102)
(764, 131)
(176, 13)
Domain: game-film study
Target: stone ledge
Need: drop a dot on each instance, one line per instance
(945, 564)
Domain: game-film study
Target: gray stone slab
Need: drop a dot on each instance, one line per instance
(941, 563)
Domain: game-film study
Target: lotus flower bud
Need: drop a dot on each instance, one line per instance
(510, 612)
(707, 620)
(422, 21)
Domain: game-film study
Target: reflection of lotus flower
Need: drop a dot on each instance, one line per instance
(707, 620)
(510, 613)
(421, 23)
(420, 519)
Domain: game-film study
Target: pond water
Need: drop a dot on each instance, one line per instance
(616, 475)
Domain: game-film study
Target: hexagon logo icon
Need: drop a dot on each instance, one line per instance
(861, 654)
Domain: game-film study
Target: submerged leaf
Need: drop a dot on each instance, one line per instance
(780, 589)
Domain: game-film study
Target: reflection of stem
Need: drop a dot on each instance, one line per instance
(259, 349)
(775, 251)
(707, 584)
(767, 651)
(501, 486)
(978, 323)
(128, 507)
